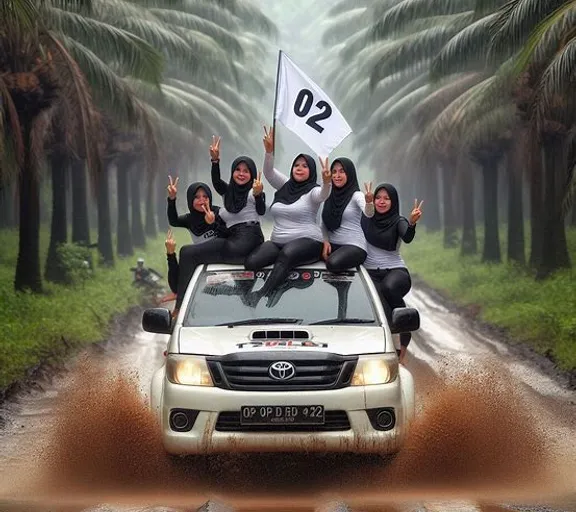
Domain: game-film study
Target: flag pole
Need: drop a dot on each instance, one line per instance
(276, 100)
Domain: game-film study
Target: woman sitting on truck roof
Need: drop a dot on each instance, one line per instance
(296, 236)
(244, 203)
(385, 232)
(203, 219)
(344, 241)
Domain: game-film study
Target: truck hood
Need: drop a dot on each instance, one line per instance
(218, 341)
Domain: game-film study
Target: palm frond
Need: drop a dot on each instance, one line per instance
(9, 113)
(344, 25)
(225, 38)
(492, 126)
(19, 14)
(398, 17)
(111, 93)
(78, 91)
(345, 6)
(516, 21)
(415, 47)
(554, 91)
(132, 53)
(429, 108)
(546, 37)
(466, 50)
(399, 111)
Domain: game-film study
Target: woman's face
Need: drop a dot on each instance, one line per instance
(241, 174)
(382, 201)
(300, 170)
(200, 199)
(339, 177)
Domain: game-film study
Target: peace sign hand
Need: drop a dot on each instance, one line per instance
(172, 187)
(170, 243)
(209, 215)
(368, 195)
(257, 185)
(416, 212)
(268, 140)
(215, 148)
(326, 172)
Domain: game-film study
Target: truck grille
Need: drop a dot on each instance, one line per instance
(312, 371)
(335, 421)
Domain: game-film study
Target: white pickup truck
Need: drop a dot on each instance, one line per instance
(312, 367)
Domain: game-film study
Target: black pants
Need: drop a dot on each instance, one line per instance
(392, 285)
(302, 251)
(242, 240)
(344, 257)
(173, 271)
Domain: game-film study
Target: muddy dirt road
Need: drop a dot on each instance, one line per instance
(494, 433)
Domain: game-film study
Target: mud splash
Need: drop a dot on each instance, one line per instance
(476, 436)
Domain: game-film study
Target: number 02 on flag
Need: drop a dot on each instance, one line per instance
(305, 109)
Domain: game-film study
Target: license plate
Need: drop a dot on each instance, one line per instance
(282, 415)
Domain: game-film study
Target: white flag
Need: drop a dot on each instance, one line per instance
(305, 109)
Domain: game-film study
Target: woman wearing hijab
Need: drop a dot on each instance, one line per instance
(384, 232)
(344, 241)
(203, 220)
(244, 203)
(296, 237)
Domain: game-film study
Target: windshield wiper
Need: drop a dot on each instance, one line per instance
(343, 321)
(260, 321)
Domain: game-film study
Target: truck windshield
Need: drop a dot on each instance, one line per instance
(307, 297)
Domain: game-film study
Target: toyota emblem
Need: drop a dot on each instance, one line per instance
(281, 370)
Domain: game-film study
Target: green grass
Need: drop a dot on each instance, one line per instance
(34, 327)
(540, 313)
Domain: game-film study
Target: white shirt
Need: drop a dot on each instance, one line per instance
(299, 219)
(350, 231)
(246, 214)
(382, 259)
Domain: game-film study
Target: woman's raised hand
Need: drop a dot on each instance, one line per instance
(268, 139)
(416, 212)
(170, 243)
(209, 215)
(326, 172)
(215, 148)
(368, 194)
(257, 185)
(172, 187)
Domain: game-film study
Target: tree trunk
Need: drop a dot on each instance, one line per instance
(124, 236)
(491, 252)
(450, 237)
(555, 248)
(432, 200)
(55, 271)
(573, 216)
(105, 246)
(7, 206)
(151, 230)
(28, 275)
(469, 241)
(161, 205)
(537, 210)
(138, 236)
(516, 245)
(80, 223)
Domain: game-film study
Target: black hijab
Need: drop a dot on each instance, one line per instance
(339, 198)
(198, 225)
(236, 195)
(381, 230)
(293, 190)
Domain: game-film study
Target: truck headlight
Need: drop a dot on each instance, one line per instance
(188, 370)
(372, 370)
